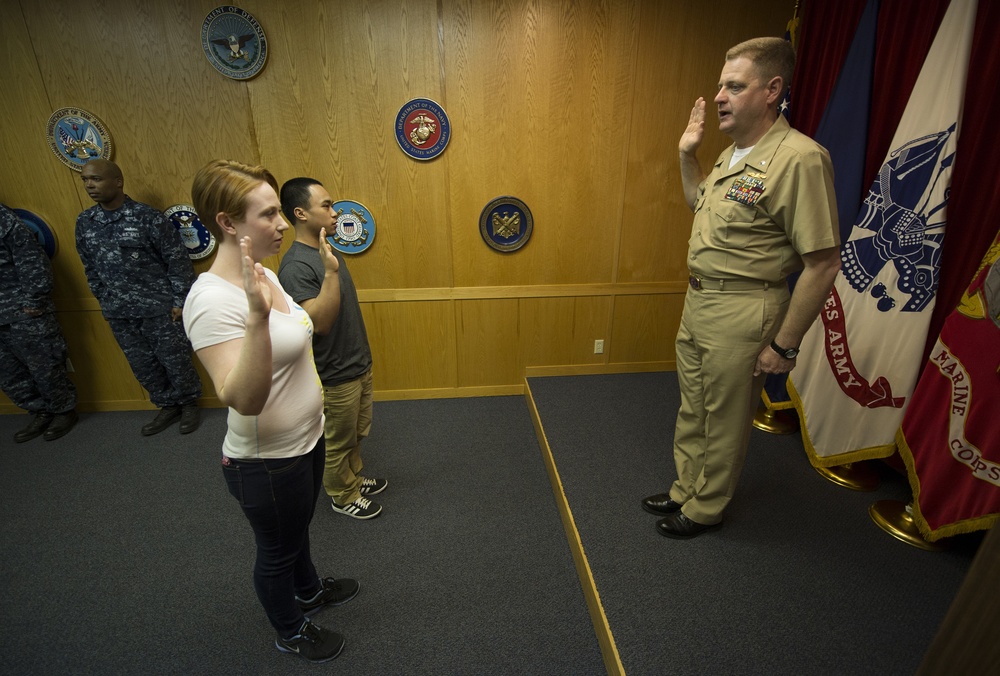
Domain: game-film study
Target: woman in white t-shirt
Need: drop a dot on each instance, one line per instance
(255, 343)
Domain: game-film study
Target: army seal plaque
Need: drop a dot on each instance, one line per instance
(197, 239)
(40, 229)
(422, 129)
(355, 229)
(77, 137)
(506, 224)
(234, 42)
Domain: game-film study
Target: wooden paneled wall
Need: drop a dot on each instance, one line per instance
(573, 106)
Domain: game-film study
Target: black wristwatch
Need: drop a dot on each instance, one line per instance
(787, 353)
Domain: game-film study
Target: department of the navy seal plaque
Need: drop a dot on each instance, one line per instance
(355, 230)
(234, 42)
(422, 129)
(77, 137)
(197, 239)
(43, 233)
(506, 224)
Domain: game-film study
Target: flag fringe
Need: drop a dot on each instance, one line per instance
(930, 534)
(816, 460)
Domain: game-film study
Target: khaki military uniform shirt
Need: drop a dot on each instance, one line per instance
(755, 220)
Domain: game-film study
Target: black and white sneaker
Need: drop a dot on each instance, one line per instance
(312, 643)
(362, 508)
(333, 593)
(372, 486)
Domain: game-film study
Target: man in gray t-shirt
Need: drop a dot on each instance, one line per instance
(315, 276)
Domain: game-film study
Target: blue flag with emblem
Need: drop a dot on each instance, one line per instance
(863, 354)
(843, 131)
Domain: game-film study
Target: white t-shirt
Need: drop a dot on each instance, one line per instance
(292, 419)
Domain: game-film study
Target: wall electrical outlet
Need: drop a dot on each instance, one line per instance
(598, 347)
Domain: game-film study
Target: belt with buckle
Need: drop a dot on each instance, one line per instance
(699, 283)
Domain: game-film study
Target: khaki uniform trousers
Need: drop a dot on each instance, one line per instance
(720, 336)
(348, 411)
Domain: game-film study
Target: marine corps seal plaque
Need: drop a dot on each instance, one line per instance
(422, 129)
(506, 224)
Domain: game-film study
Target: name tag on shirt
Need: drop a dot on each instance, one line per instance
(746, 189)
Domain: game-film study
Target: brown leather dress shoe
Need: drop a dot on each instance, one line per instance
(680, 527)
(61, 424)
(660, 504)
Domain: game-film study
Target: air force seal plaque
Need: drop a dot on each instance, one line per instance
(506, 224)
(234, 42)
(355, 230)
(197, 239)
(77, 137)
(422, 129)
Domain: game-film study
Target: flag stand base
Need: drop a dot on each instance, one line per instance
(893, 516)
(858, 476)
(783, 421)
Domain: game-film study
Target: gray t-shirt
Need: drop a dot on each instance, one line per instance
(343, 354)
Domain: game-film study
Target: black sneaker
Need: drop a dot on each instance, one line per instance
(362, 508)
(313, 643)
(372, 486)
(333, 593)
(167, 416)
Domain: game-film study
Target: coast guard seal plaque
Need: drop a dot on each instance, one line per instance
(355, 230)
(40, 229)
(234, 42)
(197, 239)
(506, 224)
(77, 137)
(422, 129)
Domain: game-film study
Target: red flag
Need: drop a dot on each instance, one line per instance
(949, 439)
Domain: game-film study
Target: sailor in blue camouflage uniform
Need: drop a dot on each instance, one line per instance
(140, 273)
(32, 348)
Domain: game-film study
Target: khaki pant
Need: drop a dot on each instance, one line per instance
(720, 336)
(348, 411)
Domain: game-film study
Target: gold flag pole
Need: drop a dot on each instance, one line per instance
(896, 518)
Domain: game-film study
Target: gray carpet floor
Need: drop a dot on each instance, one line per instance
(125, 555)
(798, 580)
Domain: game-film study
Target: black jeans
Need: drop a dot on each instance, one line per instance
(278, 497)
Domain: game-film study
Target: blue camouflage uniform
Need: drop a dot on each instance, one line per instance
(32, 348)
(139, 270)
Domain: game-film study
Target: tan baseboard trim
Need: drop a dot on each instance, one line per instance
(449, 392)
(117, 405)
(599, 369)
(609, 651)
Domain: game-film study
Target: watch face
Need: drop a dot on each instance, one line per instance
(791, 353)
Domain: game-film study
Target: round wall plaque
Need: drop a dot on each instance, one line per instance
(77, 137)
(422, 129)
(506, 224)
(234, 42)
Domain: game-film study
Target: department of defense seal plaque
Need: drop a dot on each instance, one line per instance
(422, 129)
(40, 229)
(506, 224)
(234, 42)
(355, 230)
(77, 137)
(197, 239)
